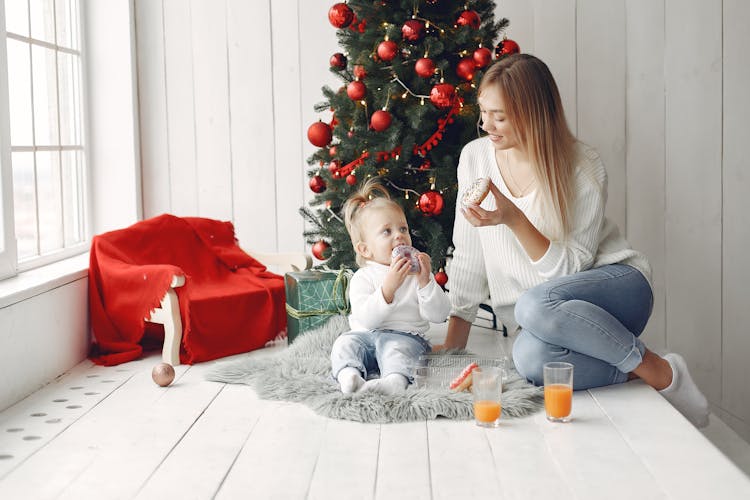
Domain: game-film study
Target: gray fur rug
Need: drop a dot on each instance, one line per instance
(302, 373)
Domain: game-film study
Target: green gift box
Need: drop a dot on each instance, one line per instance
(312, 297)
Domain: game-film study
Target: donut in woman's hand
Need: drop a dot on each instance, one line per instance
(410, 253)
(477, 192)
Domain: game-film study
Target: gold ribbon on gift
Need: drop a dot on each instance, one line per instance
(340, 286)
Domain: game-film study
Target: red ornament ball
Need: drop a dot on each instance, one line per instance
(340, 15)
(387, 50)
(356, 90)
(413, 30)
(338, 61)
(163, 374)
(319, 134)
(482, 57)
(465, 68)
(468, 18)
(424, 67)
(380, 120)
(321, 250)
(431, 203)
(443, 95)
(351, 179)
(317, 184)
(506, 47)
(359, 72)
(334, 166)
(441, 278)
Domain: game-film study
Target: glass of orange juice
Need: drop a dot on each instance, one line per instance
(558, 391)
(487, 387)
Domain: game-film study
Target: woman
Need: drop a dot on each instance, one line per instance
(542, 249)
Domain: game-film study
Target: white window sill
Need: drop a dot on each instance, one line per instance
(43, 279)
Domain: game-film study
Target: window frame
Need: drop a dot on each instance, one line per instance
(9, 259)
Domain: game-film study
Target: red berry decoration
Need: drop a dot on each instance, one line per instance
(506, 47)
(412, 30)
(380, 120)
(338, 61)
(340, 15)
(431, 203)
(424, 67)
(321, 250)
(317, 184)
(465, 68)
(359, 72)
(469, 18)
(387, 50)
(443, 95)
(351, 179)
(356, 90)
(482, 57)
(441, 278)
(319, 134)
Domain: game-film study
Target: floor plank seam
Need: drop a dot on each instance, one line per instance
(239, 451)
(177, 443)
(645, 462)
(315, 465)
(377, 463)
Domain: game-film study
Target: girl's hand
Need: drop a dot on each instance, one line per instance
(395, 278)
(506, 212)
(425, 269)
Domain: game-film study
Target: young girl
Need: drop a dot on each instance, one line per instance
(543, 250)
(391, 308)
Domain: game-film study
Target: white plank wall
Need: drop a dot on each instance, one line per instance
(227, 90)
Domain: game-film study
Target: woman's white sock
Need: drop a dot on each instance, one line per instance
(683, 394)
(390, 384)
(350, 380)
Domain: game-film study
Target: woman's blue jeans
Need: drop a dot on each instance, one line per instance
(591, 319)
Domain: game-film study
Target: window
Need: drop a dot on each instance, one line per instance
(46, 152)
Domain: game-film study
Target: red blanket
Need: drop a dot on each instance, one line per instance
(229, 304)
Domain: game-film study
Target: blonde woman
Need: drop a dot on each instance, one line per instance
(542, 249)
(392, 304)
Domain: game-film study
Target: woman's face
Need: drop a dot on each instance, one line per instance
(494, 120)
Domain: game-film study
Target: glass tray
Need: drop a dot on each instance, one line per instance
(437, 371)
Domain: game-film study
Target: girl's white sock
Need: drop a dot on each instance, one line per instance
(350, 380)
(683, 394)
(390, 384)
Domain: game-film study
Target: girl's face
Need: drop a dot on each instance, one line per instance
(383, 229)
(494, 121)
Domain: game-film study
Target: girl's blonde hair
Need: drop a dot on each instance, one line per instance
(534, 108)
(372, 195)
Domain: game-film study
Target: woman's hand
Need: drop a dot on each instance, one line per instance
(425, 269)
(506, 212)
(395, 277)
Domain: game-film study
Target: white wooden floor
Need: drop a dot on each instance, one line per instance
(110, 433)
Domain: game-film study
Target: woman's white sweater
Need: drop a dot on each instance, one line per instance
(489, 262)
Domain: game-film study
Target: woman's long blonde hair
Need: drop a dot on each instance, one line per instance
(371, 195)
(534, 108)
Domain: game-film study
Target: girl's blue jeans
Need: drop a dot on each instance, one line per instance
(378, 352)
(591, 319)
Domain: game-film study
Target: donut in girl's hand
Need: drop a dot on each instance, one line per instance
(477, 192)
(408, 252)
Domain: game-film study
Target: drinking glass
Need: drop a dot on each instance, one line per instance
(487, 387)
(558, 391)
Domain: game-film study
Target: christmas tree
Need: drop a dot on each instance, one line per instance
(410, 71)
